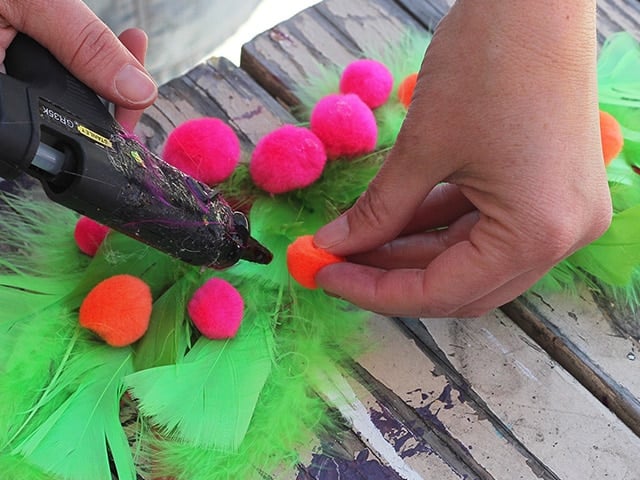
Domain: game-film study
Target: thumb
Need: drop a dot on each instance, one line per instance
(385, 208)
(89, 50)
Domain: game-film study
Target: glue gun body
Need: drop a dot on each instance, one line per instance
(54, 128)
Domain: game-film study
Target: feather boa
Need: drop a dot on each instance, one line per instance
(235, 408)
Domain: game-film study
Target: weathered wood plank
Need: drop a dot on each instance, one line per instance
(397, 444)
(217, 89)
(586, 342)
(542, 404)
(428, 13)
(618, 15)
(411, 438)
(454, 415)
(282, 58)
(332, 33)
(251, 111)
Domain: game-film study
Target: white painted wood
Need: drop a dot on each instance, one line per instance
(545, 407)
(397, 362)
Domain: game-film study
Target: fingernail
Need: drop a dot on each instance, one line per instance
(332, 233)
(135, 86)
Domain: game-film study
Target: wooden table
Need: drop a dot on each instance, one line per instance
(545, 387)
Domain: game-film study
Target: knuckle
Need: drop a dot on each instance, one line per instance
(566, 231)
(558, 239)
(371, 209)
(601, 216)
(96, 47)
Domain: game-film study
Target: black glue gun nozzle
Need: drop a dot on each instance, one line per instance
(255, 252)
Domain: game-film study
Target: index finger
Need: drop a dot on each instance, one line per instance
(86, 46)
(462, 274)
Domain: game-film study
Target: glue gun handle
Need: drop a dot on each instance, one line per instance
(28, 61)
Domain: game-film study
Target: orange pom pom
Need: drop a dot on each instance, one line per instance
(612, 139)
(118, 310)
(304, 260)
(406, 88)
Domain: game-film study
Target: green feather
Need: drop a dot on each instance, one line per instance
(619, 89)
(208, 399)
(618, 67)
(15, 468)
(120, 254)
(311, 330)
(72, 441)
(33, 349)
(29, 223)
(168, 336)
(616, 254)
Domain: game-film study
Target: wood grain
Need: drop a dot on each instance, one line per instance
(542, 404)
(330, 34)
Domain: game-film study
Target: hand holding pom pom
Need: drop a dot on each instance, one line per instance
(89, 235)
(369, 79)
(287, 159)
(118, 310)
(305, 260)
(205, 148)
(345, 124)
(216, 309)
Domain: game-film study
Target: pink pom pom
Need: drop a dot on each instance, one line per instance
(286, 159)
(89, 235)
(345, 124)
(369, 79)
(205, 148)
(216, 309)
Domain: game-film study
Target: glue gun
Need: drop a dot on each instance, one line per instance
(57, 130)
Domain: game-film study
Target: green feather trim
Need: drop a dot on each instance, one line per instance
(610, 264)
(72, 441)
(15, 468)
(390, 115)
(614, 257)
(207, 399)
(619, 89)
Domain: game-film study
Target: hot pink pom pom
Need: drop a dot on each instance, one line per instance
(205, 148)
(89, 235)
(286, 159)
(345, 125)
(216, 309)
(369, 79)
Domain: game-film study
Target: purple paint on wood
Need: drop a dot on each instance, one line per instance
(250, 114)
(362, 467)
(429, 411)
(402, 437)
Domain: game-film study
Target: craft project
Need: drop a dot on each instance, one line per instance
(224, 367)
